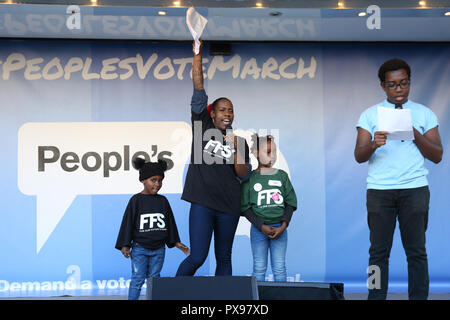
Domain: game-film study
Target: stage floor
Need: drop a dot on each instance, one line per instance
(348, 296)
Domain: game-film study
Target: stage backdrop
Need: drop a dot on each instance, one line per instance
(75, 113)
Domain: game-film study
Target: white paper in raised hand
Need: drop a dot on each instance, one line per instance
(397, 122)
(196, 23)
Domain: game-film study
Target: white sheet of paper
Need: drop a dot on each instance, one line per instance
(196, 24)
(397, 122)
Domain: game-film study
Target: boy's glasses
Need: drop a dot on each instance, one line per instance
(402, 84)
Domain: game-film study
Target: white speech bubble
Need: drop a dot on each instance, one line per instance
(88, 158)
(243, 228)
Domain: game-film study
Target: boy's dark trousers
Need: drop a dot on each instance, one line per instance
(411, 208)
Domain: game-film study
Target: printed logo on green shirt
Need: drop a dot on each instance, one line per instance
(268, 195)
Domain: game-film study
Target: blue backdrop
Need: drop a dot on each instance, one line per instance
(311, 95)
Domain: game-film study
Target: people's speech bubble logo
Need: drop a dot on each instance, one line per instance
(58, 161)
(243, 228)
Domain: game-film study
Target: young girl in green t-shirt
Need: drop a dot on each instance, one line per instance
(268, 201)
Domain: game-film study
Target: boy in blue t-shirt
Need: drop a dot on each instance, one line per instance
(397, 186)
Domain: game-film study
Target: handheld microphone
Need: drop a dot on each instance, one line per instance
(230, 143)
(228, 129)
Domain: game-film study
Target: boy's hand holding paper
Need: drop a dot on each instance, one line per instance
(397, 122)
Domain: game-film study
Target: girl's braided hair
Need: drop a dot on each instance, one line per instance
(257, 140)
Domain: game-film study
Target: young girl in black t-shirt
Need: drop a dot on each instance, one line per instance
(148, 225)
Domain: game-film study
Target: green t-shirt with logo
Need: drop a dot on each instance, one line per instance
(267, 194)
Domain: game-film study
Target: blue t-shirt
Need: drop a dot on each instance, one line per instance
(398, 165)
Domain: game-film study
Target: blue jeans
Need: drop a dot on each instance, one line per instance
(202, 223)
(145, 264)
(410, 207)
(261, 245)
